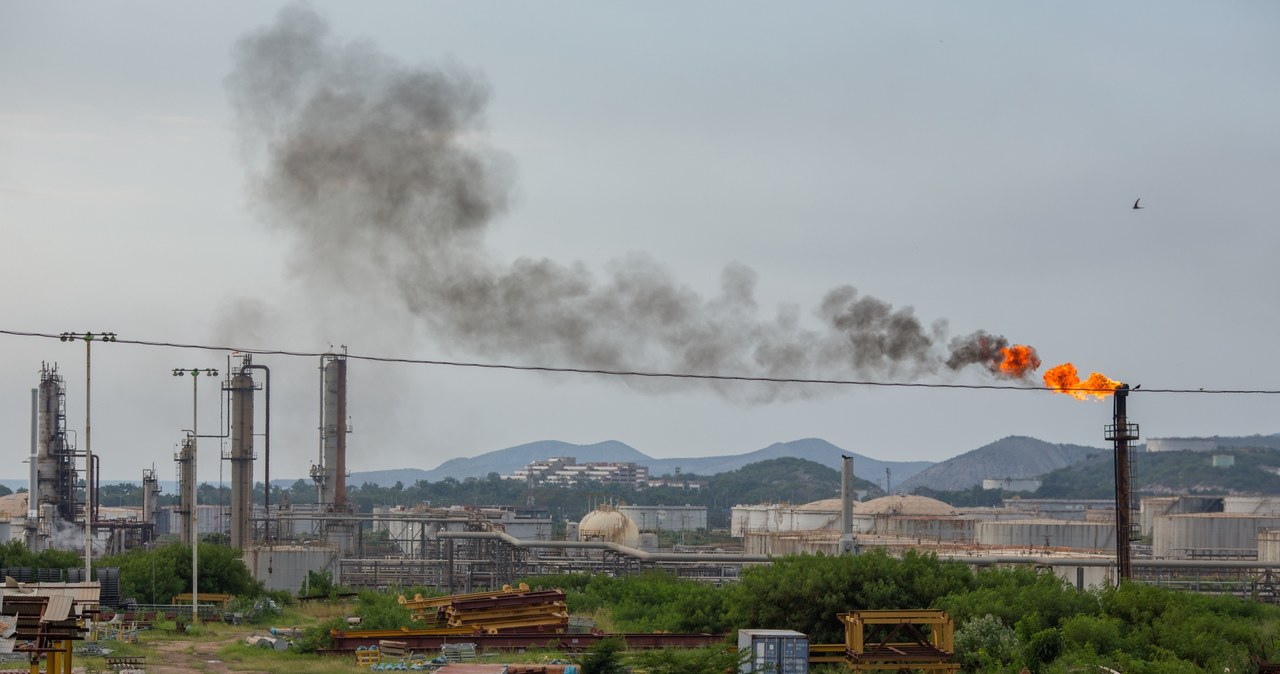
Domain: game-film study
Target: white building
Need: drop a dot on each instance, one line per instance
(1181, 445)
(566, 470)
(1012, 484)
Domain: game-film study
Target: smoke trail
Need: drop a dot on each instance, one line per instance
(380, 173)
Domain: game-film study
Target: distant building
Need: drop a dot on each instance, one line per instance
(1181, 445)
(1012, 484)
(566, 470)
(676, 483)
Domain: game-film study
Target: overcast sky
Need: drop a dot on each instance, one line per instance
(672, 187)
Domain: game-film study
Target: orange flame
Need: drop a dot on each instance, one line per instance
(1065, 379)
(1018, 360)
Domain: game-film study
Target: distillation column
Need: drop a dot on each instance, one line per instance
(241, 387)
(332, 478)
(185, 457)
(55, 466)
(150, 494)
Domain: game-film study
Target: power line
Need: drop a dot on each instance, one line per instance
(654, 375)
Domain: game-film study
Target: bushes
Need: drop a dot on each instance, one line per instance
(652, 601)
(155, 576)
(805, 592)
(713, 660)
(986, 644)
(1009, 617)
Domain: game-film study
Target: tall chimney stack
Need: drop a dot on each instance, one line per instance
(1121, 432)
(848, 544)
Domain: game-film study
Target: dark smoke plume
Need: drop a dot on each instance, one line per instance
(379, 172)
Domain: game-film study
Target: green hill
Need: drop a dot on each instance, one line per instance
(787, 479)
(1254, 473)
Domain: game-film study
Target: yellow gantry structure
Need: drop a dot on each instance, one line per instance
(917, 639)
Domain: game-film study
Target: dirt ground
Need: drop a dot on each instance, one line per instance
(185, 657)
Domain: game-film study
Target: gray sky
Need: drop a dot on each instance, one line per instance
(975, 162)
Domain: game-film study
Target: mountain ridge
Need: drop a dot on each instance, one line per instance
(1013, 456)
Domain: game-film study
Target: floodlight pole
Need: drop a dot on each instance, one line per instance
(195, 489)
(88, 338)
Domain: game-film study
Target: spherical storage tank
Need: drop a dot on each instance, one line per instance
(607, 524)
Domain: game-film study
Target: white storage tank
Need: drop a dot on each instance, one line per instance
(1269, 545)
(285, 567)
(744, 518)
(1251, 505)
(607, 524)
(1209, 535)
(1047, 534)
(824, 514)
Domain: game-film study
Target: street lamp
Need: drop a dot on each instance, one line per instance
(195, 490)
(88, 338)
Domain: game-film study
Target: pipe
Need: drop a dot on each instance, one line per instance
(1108, 562)
(266, 458)
(634, 553)
(33, 490)
(97, 488)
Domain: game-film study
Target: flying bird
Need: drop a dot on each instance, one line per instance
(1135, 204)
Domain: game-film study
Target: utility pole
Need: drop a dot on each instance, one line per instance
(195, 489)
(88, 338)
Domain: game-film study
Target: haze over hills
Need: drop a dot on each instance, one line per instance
(1011, 457)
(506, 461)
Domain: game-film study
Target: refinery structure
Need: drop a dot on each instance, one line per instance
(454, 548)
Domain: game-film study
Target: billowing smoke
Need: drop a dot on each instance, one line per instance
(380, 173)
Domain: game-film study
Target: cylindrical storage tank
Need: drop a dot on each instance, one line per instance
(1152, 507)
(285, 567)
(745, 518)
(823, 514)
(1208, 535)
(1269, 546)
(954, 529)
(649, 542)
(210, 519)
(1251, 505)
(607, 524)
(1047, 534)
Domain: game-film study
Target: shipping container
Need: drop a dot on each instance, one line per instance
(774, 651)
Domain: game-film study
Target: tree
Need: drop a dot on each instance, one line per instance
(155, 576)
(986, 644)
(15, 553)
(604, 657)
(806, 592)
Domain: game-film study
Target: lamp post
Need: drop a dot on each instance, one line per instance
(195, 489)
(88, 338)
